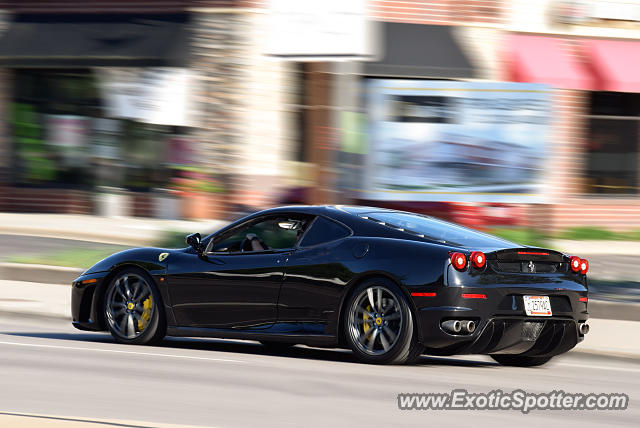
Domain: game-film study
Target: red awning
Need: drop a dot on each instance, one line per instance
(615, 64)
(540, 59)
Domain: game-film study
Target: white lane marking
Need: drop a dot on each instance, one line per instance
(115, 351)
(226, 360)
(592, 367)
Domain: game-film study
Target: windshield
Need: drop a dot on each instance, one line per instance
(437, 230)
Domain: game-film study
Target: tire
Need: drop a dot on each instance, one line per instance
(133, 308)
(519, 360)
(378, 324)
(277, 347)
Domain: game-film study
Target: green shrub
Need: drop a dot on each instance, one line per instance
(522, 236)
(589, 233)
(172, 239)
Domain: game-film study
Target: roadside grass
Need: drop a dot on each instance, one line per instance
(79, 258)
(537, 238)
(520, 235)
(172, 239)
(598, 234)
(87, 257)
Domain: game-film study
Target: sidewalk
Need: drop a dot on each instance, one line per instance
(29, 420)
(35, 299)
(607, 337)
(133, 231)
(589, 248)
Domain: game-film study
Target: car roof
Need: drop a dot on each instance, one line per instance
(350, 215)
(325, 209)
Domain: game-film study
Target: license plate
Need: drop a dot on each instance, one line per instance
(537, 306)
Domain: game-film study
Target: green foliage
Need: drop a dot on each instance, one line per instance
(172, 239)
(538, 238)
(589, 233)
(194, 179)
(520, 235)
(80, 258)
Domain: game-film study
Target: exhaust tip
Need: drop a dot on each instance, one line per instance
(470, 327)
(452, 326)
(583, 328)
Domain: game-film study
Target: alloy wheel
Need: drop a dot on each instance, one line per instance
(375, 320)
(129, 306)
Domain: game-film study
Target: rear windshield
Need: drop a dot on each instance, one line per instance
(437, 230)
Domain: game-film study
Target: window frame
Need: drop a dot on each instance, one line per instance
(231, 231)
(349, 235)
(587, 190)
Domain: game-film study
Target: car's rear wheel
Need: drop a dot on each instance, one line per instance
(379, 325)
(519, 360)
(133, 308)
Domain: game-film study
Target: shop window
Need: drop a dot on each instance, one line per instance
(62, 136)
(301, 111)
(613, 144)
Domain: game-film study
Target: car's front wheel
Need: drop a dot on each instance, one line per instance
(379, 325)
(519, 360)
(133, 308)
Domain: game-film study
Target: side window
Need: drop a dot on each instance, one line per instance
(323, 230)
(273, 233)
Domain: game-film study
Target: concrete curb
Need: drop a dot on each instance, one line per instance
(586, 247)
(34, 315)
(624, 356)
(132, 231)
(39, 273)
(603, 309)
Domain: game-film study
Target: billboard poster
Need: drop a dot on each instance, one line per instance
(456, 141)
(159, 96)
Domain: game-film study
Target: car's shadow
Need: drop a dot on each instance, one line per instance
(250, 347)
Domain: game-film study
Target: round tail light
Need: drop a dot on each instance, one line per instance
(478, 259)
(574, 262)
(584, 266)
(459, 261)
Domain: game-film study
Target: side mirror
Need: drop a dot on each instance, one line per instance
(194, 241)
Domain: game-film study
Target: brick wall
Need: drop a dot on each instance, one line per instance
(615, 214)
(58, 201)
(6, 154)
(439, 11)
(567, 143)
(218, 56)
(570, 206)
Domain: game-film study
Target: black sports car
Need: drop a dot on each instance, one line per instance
(389, 285)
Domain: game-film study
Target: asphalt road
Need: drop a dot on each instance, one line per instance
(12, 245)
(48, 368)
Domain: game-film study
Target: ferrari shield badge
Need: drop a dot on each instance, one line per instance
(163, 256)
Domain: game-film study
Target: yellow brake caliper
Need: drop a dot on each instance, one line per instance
(147, 305)
(365, 317)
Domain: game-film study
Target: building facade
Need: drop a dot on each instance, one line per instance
(260, 124)
(584, 52)
(139, 104)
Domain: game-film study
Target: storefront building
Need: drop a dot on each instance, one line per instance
(141, 107)
(589, 53)
(554, 83)
(579, 122)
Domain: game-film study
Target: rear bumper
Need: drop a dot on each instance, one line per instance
(502, 324)
(511, 335)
